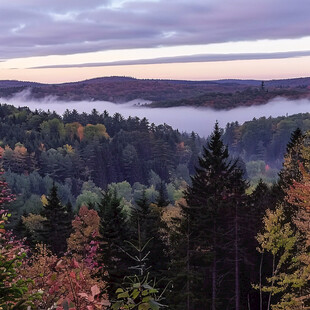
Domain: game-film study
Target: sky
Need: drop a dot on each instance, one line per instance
(56, 41)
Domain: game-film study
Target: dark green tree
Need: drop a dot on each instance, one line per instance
(162, 199)
(57, 226)
(148, 229)
(114, 231)
(215, 203)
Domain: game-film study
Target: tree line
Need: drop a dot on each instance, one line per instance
(219, 247)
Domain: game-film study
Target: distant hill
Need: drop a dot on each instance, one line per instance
(14, 83)
(220, 94)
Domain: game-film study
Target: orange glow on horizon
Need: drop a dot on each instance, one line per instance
(264, 69)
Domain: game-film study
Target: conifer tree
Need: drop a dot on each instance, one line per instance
(162, 200)
(57, 226)
(215, 201)
(114, 231)
(290, 170)
(148, 227)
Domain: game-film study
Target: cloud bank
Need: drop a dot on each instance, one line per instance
(183, 59)
(186, 119)
(57, 27)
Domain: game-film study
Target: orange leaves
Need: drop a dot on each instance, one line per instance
(299, 192)
(74, 129)
(85, 230)
(80, 132)
(299, 196)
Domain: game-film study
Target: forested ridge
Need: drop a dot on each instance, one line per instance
(104, 215)
(218, 94)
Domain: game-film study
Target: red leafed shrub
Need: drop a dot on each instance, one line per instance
(64, 282)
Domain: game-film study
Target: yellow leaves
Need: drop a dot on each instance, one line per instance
(172, 212)
(44, 200)
(276, 234)
(33, 221)
(68, 148)
(89, 131)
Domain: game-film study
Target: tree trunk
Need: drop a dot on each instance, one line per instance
(273, 270)
(187, 270)
(214, 271)
(237, 284)
(260, 283)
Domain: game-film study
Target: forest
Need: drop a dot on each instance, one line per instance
(102, 212)
(218, 94)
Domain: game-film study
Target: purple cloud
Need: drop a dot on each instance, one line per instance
(36, 27)
(184, 59)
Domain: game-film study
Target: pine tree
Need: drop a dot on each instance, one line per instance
(114, 231)
(181, 272)
(215, 201)
(57, 227)
(162, 200)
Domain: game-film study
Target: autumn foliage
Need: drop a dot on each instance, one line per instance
(63, 282)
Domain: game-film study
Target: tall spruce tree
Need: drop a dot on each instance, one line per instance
(215, 201)
(57, 226)
(162, 199)
(114, 231)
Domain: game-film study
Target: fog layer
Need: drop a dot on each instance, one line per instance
(188, 119)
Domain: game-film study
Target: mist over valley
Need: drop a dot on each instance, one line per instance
(185, 119)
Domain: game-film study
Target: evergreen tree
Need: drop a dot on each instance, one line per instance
(149, 229)
(181, 272)
(57, 226)
(162, 199)
(290, 170)
(114, 231)
(215, 201)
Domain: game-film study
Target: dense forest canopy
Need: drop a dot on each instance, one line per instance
(84, 153)
(114, 213)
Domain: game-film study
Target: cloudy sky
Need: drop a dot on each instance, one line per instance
(68, 40)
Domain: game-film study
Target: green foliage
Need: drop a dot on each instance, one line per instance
(88, 198)
(114, 231)
(12, 290)
(57, 226)
(264, 138)
(212, 222)
(280, 241)
(139, 294)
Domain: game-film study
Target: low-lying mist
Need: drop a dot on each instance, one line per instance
(188, 119)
